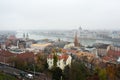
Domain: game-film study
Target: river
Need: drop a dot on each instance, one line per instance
(55, 36)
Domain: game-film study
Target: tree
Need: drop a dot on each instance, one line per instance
(56, 73)
(78, 71)
(96, 77)
(111, 71)
(118, 71)
(55, 59)
(66, 73)
(103, 74)
(41, 62)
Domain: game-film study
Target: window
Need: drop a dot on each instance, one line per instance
(64, 62)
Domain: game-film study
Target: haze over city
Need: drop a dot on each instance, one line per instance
(59, 14)
(59, 40)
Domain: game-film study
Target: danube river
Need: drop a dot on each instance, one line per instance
(59, 35)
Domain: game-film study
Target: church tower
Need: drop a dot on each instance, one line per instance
(76, 42)
(23, 35)
(27, 36)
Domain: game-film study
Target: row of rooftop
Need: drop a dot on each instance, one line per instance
(27, 48)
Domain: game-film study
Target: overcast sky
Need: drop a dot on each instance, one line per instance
(59, 14)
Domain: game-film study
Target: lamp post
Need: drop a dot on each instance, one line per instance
(4, 58)
(34, 68)
(34, 64)
(3, 61)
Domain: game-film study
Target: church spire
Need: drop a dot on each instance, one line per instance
(27, 36)
(76, 42)
(23, 35)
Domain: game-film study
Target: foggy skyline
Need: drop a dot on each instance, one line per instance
(59, 14)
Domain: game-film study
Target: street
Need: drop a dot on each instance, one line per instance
(21, 74)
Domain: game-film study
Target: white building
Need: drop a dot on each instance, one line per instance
(63, 60)
(115, 35)
(118, 60)
(92, 50)
(3, 46)
(68, 46)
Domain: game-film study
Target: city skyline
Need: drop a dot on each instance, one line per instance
(59, 14)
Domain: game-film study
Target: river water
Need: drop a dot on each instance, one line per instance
(69, 38)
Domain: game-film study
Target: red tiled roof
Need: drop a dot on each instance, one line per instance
(62, 56)
(23, 56)
(64, 50)
(6, 53)
(50, 56)
(27, 55)
(85, 54)
(65, 57)
(5, 56)
(72, 51)
(108, 59)
(114, 53)
(11, 37)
